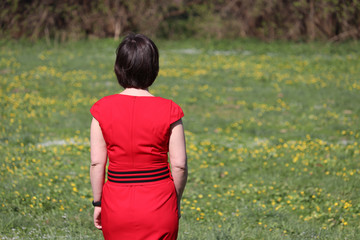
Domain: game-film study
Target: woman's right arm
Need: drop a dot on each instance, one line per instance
(178, 158)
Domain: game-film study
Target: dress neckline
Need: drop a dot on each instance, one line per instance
(145, 96)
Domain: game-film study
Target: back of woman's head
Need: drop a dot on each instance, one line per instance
(137, 62)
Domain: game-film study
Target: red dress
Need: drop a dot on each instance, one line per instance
(139, 198)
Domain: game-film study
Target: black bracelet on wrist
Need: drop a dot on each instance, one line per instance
(96, 204)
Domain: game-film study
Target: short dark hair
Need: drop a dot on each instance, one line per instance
(137, 62)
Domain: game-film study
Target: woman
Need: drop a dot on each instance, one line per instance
(136, 131)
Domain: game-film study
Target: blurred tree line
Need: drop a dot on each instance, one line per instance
(333, 20)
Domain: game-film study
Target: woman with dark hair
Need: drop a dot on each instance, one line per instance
(136, 131)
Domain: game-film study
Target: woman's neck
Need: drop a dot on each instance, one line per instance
(136, 92)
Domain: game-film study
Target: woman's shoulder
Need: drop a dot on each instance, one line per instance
(110, 99)
(165, 100)
(106, 99)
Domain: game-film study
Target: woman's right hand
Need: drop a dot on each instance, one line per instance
(178, 160)
(97, 217)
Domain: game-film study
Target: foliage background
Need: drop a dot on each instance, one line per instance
(333, 20)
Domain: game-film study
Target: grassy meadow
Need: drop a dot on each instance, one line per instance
(272, 137)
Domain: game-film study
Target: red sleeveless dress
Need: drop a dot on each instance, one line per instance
(139, 198)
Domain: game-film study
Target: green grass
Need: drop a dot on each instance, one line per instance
(272, 134)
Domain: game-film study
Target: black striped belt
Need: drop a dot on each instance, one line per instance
(138, 176)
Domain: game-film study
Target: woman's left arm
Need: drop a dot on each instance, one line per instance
(97, 168)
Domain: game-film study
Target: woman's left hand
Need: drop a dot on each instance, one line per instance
(97, 217)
